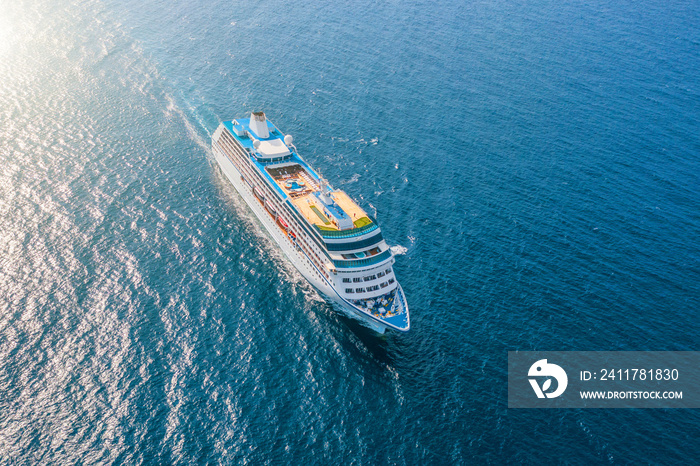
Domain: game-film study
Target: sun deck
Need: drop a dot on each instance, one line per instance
(304, 191)
(334, 214)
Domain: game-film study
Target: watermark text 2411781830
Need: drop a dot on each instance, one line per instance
(603, 379)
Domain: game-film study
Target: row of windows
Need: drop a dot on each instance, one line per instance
(368, 278)
(370, 288)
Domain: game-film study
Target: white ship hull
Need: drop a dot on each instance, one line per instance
(295, 256)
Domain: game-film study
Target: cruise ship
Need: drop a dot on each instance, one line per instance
(331, 240)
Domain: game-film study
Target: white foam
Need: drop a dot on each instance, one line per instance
(399, 250)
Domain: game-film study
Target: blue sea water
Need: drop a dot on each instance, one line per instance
(535, 164)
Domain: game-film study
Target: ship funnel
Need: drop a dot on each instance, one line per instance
(258, 125)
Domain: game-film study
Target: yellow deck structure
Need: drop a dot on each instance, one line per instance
(304, 203)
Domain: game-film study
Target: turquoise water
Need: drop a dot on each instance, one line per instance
(535, 164)
(294, 185)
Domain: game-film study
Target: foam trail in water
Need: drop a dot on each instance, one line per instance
(191, 130)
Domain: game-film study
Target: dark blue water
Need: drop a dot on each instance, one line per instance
(537, 163)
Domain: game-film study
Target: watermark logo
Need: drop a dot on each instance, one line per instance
(543, 369)
(603, 379)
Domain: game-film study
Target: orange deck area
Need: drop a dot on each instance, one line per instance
(294, 181)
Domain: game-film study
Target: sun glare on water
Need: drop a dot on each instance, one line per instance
(5, 35)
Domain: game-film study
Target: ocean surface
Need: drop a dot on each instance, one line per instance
(535, 164)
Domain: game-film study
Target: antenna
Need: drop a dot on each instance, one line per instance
(325, 192)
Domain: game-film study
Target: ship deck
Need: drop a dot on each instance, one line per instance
(296, 183)
(294, 179)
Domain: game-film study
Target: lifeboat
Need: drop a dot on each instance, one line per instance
(258, 194)
(270, 208)
(282, 223)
